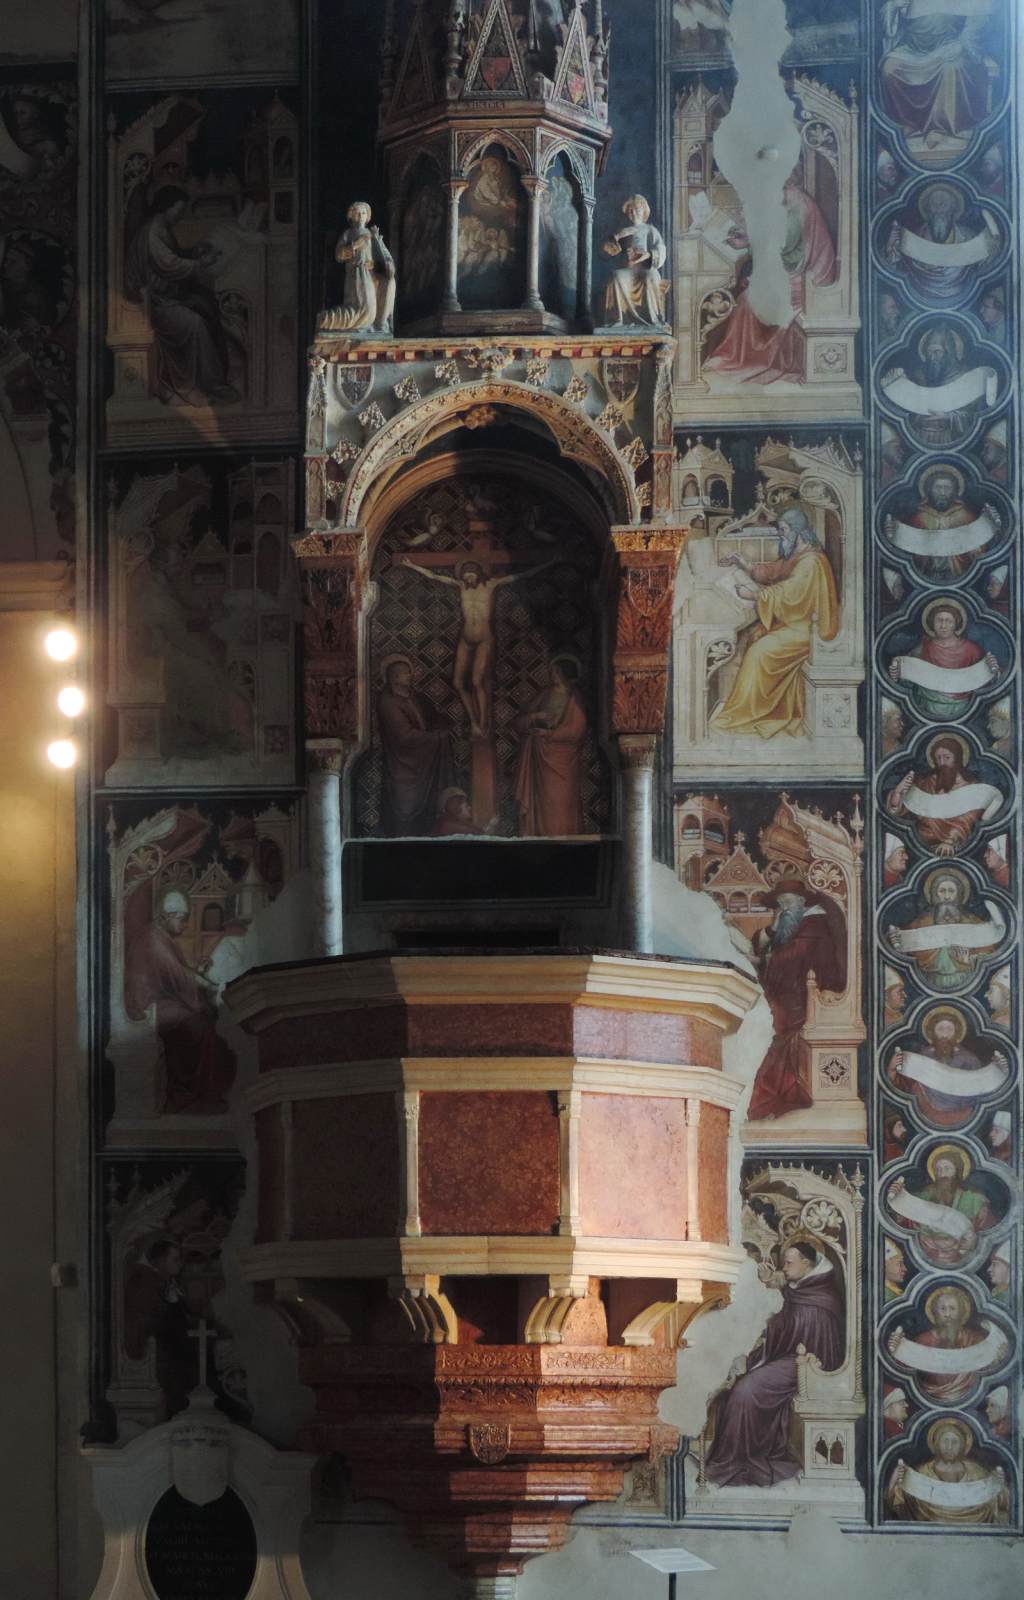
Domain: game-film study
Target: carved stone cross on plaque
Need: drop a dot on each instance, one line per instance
(477, 573)
(203, 1333)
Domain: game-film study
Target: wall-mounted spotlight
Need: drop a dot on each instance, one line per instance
(71, 700)
(62, 752)
(61, 644)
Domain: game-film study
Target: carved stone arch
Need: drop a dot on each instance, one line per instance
(575, 434)
(514, 148)
(572, 155)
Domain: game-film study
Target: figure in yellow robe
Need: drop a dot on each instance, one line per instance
(792, 594)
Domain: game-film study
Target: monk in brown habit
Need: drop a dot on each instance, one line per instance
(805, 936)
(751, 1443)
(199, 1066)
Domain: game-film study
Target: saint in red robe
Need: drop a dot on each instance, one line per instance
(549, 778)
(750, 349)
(817, 946)
(199, 1066)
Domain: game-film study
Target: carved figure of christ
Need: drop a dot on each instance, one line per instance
(472, 677)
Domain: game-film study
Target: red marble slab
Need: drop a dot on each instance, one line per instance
(488, 1163)
(346, 1168)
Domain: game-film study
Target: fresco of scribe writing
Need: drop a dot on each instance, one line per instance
(191, 888)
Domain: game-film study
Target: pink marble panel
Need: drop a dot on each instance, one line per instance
(622, 1139)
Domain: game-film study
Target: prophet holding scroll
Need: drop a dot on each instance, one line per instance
(945, 803)
(948, 1488)
(945, 667)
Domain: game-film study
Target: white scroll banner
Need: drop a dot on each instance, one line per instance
(943, 541)
(944, 397)
(928, 1214)
(957, 253)
(988, 1352)
(944, 680)
(956, 1081)
(953, 1496)
(947, 935)
(983, 797)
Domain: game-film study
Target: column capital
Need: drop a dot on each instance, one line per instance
(325, 755)
(637, 751)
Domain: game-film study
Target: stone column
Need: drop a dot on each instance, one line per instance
(324, 760)
(330, 566)
(636, 753)
(647, 560)
(585, 286)
(456, 188)
(535, 188)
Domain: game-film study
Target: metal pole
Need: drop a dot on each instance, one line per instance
(672, 1586)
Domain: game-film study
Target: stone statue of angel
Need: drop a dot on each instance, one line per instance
(368, 299)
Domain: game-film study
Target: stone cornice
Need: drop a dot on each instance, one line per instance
(717, 994)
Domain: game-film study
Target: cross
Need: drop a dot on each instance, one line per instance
(474, 658)
(202, 1333)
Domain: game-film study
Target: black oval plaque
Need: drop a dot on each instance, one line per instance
(200, 1552)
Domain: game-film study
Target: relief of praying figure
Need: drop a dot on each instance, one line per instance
(750, 349)
(636, 293)
(752, 1418)
(368, 298)
(792, 594)
(946, 803)
(549, 775)
(474, 654)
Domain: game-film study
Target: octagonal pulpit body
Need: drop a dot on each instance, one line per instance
(493, 1189)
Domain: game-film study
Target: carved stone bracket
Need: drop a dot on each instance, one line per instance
(330, 571)
(647, 563)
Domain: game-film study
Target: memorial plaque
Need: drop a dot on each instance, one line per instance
(200, 1552)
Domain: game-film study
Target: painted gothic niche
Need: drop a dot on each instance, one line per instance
(769, 625)
(484, 660)
(189, 891)
(201, 315)
(785, 1429)
(729, 363)
(788, 880)
(203, 604)
(38, 308)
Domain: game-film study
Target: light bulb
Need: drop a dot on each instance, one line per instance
(71, 700)
(60, 644)
(63, 752)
